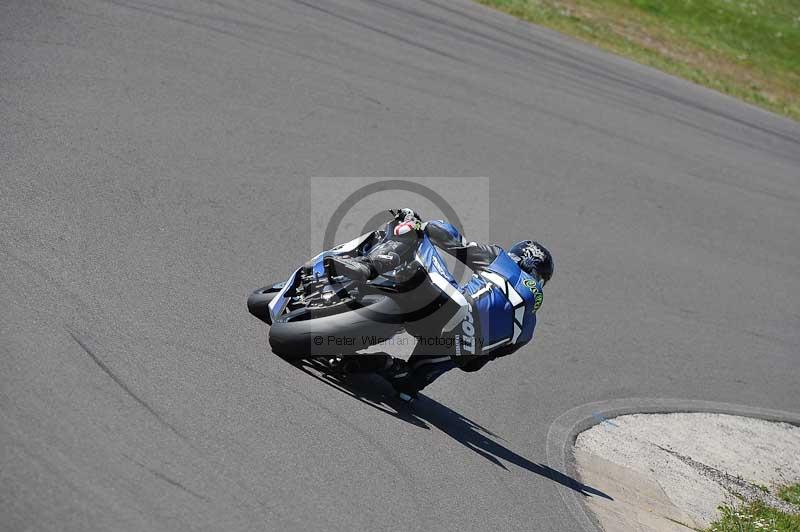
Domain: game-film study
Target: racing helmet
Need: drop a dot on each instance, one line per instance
(533, 258)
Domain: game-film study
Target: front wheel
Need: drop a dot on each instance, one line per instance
(258, 302)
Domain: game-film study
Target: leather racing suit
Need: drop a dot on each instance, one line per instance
(501, 305)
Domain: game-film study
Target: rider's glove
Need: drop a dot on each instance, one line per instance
(402, 215)
(407, 220)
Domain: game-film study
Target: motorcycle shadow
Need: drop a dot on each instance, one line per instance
(367, 388)
(425, 412)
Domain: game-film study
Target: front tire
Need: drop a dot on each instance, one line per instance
(258, 302)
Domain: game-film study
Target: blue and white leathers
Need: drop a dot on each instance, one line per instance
(503, 298)
(504, 301)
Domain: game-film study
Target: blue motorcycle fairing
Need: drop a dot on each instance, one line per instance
(278, 304)
(440, 276)
(426, 254)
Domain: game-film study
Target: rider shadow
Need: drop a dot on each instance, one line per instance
(372, 390)
(367, 388)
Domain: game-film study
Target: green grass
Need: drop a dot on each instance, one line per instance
(757, 517)
(749, 49)
(790, 494)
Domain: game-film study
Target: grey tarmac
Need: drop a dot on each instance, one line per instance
(156, 160)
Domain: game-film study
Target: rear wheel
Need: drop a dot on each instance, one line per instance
(339, 329)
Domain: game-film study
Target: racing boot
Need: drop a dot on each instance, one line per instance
(366, 363)
(361, 269)
(395, 370)
(337, 365)
(354, 268)
(384, 262)
(399, 375)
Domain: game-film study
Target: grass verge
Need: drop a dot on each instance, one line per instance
(757, 517)
(749, 49)
(790, 494)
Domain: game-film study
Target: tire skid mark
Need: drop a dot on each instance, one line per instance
(108, 371)
(578, 62)
(391, 35)
(167, 479)
(45, 275)
(382, 450)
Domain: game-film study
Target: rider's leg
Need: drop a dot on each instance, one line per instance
(427, 368)
(362, 268)
(408, 378)
(367, 363)
(384, 257)
(355, 268)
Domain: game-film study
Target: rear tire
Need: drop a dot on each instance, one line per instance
(300, 335)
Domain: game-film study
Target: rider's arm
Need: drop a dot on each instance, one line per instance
(446, 237)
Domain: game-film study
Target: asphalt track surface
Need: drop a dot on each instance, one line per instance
(155, 161)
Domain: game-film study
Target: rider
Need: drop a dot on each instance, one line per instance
(495, 312)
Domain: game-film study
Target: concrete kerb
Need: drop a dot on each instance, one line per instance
(565, 428)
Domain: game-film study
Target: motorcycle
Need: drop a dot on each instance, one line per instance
(317, 313)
